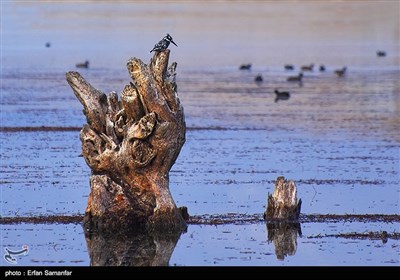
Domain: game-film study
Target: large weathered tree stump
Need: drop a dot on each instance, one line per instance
(130, 145)
(283, 204)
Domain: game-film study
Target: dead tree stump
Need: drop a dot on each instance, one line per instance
(130, 146)
(283, 204)
(282, 216)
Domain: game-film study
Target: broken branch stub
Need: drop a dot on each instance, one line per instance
(283, 204)
(130, 145)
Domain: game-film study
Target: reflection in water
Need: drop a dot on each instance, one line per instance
(284, 236)
(130, 249)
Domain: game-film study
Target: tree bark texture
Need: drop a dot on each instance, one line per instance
(130, 144)
(283, 204)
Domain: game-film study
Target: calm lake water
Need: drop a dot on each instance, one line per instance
(336, 137)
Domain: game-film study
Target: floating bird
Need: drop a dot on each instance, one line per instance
(245, 66)
(48, 45)
(163, 44)
(307, 67)
(341, 72)
(83, 64)
(380, 53)
(281, 95)
(295, 78)
(289, 67)
(258, 78)
(322, 68)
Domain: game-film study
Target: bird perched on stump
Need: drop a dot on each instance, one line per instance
(163, 44)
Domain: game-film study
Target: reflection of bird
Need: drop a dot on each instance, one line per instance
(258, 79)
(289, 67)
(245, 67)
(163, 44)
(381, 53)
(295, 78)
(83, 65)
(281, 95)
(341, 72)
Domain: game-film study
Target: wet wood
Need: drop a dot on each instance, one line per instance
(283, 204)
(130, 145)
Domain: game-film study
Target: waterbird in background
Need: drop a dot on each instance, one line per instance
(258, 78)
(380, 53)
(307, 67)
(322, 68)
(245, 67)
(341, 72)
(281, 95)
(83, 65)
(163, 44)
(289, 67)
(295, 78)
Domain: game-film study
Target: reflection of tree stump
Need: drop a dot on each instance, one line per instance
(284, 236)
(137, 249)
(130, 146)
(282, 204)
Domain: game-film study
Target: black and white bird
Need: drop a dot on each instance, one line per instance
(163, 44)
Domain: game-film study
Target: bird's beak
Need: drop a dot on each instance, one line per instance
(173, 43)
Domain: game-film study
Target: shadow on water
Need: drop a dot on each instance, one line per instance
(130, 249)
(284, 236)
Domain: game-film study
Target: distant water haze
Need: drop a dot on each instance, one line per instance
(209, 34)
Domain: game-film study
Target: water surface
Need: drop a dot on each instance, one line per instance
(337, 138)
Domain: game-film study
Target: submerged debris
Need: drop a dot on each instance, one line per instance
(219, 219)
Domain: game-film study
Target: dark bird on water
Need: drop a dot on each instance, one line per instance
(245, 67)
(341, 72)
(322, 68)
(307, 67)
(281, 95)
(258, 79)
(380, 53)
(295, 78)
(163, 44)
(289, 67)
(83, 64)
(48, 45)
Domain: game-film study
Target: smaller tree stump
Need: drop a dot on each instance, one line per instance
(283, 204)
(282, 215)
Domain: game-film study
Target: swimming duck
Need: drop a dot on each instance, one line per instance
(341, 72)
(83, 65)
(295, 78)
(281, 95)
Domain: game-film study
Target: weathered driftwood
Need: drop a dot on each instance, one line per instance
(283, 204)
(130, 145)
